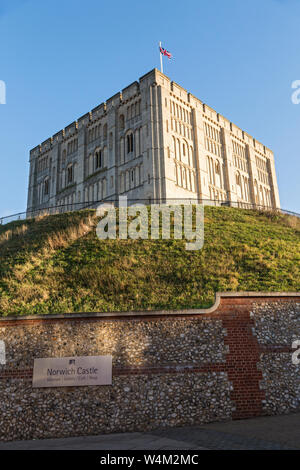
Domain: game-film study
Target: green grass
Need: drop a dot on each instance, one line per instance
(55, 265)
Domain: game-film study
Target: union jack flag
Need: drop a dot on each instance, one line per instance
(165, 52)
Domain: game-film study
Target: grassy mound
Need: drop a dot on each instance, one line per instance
(56, 264)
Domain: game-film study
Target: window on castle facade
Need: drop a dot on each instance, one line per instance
(134, 110)
(46, 187)
(213, 139)
(215, 172)
(72, 146)
(180, 120)
(262, 170)
(239, 185)
(105, 131)
(110, 144)
(239, 156)
(97, 131)
(98, 159)
(122, 122)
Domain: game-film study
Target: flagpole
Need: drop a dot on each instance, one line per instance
(161, 61)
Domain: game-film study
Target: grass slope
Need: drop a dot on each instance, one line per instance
(56, 264)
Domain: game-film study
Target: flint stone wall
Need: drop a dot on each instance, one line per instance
(277, 326)
(169, 368)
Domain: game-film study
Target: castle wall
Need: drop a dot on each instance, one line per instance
(151, 142)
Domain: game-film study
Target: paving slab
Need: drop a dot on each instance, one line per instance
(264, 433)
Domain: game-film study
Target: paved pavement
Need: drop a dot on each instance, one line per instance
(276, 432)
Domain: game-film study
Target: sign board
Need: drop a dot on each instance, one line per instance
(72, 371)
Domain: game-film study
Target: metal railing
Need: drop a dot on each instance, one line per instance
(63, 208)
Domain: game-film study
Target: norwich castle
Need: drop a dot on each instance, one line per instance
(152, 142)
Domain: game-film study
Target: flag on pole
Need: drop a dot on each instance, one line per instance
(164, 51)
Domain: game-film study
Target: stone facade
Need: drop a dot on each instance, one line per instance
(152, 142)
(174, 368)
(277, 326)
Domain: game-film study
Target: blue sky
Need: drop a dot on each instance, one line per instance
(60, 59)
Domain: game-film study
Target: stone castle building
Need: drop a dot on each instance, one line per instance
(152, 142)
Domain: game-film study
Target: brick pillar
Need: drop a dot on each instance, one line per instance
(241, 363)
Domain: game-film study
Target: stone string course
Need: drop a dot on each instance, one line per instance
(231, 362)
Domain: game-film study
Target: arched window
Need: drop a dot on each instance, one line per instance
(98, 159)
(261, 192)
(192, 162)
(130, 143)
(184, 177)
(218, 179)
(256, 192)
(122, 122)
(122, 150)
(105, 131)
(174, 147)
(70, 174)
(132, 184)
(64, 156)
(140, 141)
(267, 201)
(178, 150)
(239, 185)
(246, 188)
(211, 170)
(176, 174)
(110, 144)
(46, 186)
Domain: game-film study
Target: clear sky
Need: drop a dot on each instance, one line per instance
(61, 58)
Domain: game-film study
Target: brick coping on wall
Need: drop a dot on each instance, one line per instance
(142, 313)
